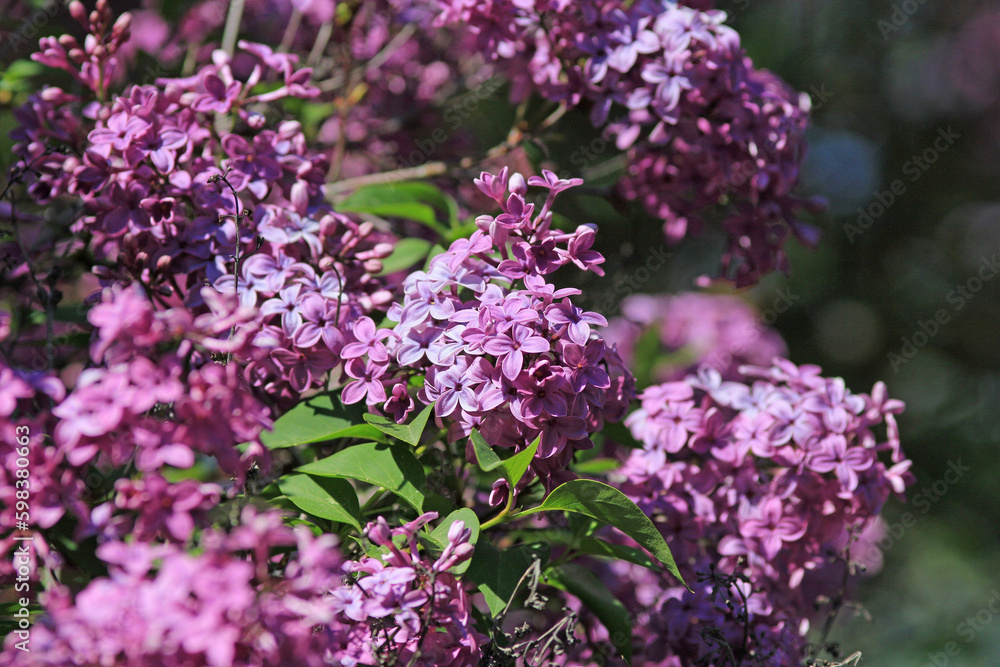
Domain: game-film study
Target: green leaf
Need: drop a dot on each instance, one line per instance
(409, 210)
(608, 504)
(433, 195)
(518, 464)
(598, 547)
(496, 572)
(391, 467)
(411, 200)
(645, 353)
(408, 433)
(513, 468)
(487, 458)
(439, 536)
(597, 466)
(406, 253)
(322, 417)
(328, 498)
(595, 596)
(618, 432)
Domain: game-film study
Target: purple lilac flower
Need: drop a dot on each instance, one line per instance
(516, 363)
(702, 126)
(783, 514)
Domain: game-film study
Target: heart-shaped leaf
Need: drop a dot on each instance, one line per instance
(513, 468)
(319, 418)
(391, 467)
(608, 504)
(325, 497)
(408, 433)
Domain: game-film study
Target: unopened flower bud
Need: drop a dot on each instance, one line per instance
(78, 11)
(122, 25)
(163, 263)
(457, 532)
(373, 265)
(381, 298)
(256, 120)
(379, 533)
(382, 250)
(517, 184)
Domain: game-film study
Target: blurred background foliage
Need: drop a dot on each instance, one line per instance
(887, 80)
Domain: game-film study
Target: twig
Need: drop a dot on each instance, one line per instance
(16, 175)
(238, 256)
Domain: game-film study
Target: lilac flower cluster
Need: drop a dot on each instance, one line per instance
(702, 127)
(513, 363)
(112, 410)
(776, 475)
(148, 175)
(153, 399)
(695, 329)
(415, 610)
(385, 73)
(237, 601)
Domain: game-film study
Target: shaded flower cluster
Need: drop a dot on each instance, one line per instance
(514, 363)
(695, 329)
(154, 398)
(384, 70)
(777, 476)
(702, 127)
(236, 601)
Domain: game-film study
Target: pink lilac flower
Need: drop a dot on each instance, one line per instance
(783, 515)
(513, 362)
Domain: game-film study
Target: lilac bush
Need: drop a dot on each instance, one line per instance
(229, 313)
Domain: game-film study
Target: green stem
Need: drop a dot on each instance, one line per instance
(232, 28)
(505, 515)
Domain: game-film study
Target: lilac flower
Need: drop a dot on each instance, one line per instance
(366, 382)
(368, 342)
(254, 164)
(218, 95)
(831, 455)
(120, 132)
(511, 348)
(318, 323)
(287, 304)
(574, 322)
(771, 528)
